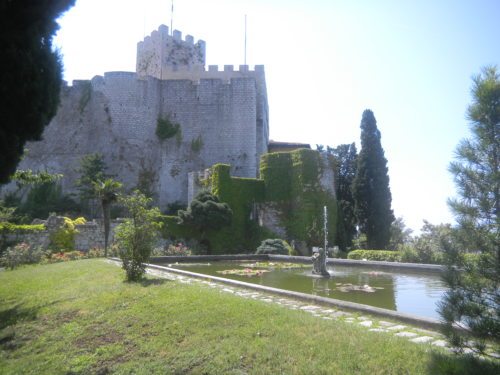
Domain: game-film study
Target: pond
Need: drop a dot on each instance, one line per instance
(413, 292)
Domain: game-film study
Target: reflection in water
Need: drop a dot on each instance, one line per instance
(409, 292)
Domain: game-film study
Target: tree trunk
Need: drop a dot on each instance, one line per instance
(106, 217)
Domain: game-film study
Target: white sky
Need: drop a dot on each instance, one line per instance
(326, 61)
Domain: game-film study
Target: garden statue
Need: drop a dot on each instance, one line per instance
(319, 263)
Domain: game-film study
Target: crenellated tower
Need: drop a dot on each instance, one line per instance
(221, 115)
(161, 53)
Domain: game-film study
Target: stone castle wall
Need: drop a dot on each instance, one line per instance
(116, 115)
(161, 50)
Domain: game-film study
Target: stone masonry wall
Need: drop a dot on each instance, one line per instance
(116, 115)
(89, 235)
(161, 50)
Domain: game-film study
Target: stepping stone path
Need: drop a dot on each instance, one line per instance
(413, 334)
(422, 339)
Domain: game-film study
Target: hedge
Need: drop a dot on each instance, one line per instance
(6, 227)
(380, 255)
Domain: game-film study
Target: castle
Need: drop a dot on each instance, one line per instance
(176, 127)
(222, 117)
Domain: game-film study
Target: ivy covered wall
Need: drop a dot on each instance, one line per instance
(302, 197)
(290, 182)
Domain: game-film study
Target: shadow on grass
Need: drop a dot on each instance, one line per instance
(448, 364)
(148, 282)
(11, 316)
(8, 318)
(18, 313)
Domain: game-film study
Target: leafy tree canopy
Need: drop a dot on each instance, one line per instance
(206, 212)
(92, 169)
(137, 235)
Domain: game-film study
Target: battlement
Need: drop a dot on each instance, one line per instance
(160, 51)
(197, 73)
(163, 33)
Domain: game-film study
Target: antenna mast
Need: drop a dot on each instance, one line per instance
(172, 19)
(245, 56)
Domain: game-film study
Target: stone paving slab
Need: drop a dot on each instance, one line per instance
(397, 327)
(422, 339)
(440, 343)
(378, 330)
(406, 334)
(384, 323)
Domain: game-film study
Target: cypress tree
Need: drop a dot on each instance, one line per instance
(371, 191)
(30, 73)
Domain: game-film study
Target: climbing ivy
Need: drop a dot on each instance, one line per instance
(290, 181)
(166, 129)
(197, 144)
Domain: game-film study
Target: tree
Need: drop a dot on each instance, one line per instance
(137, 235)
(400, 234)
(43, 199)
(107, 191)
(345, 171)
(205, 213)
(92, 169)
(371, 191)
(473, 297)
(30, 74)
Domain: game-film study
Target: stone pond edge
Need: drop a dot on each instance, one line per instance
(419, 321)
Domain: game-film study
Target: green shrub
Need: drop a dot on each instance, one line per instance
(95, 252)
(166, 129)
(43, 199)
(64, 237)
(411, 254)
(137, 235)
(274, 246)
(20, 254)
(408, 254)
(378, 255)
(20, 228)
(197, 144)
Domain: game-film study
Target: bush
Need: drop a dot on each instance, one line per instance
(6, 227)
(20, 254)
(95, 252)
(137, 235)
(64, 237)
(166, 129)
(378, 255)
(42, 199)
(275, 247)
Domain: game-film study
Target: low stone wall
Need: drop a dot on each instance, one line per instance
(89, 235)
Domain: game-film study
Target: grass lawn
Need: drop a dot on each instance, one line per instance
(80, 317)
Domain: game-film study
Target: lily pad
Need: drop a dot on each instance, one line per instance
(357, 288)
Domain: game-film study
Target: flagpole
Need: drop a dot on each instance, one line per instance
(245, 57)
(172, 19)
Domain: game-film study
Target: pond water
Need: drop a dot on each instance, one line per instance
(404, 291)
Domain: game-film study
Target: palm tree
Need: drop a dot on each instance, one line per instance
(107, 191)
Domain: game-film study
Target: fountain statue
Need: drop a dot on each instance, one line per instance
(319, 257)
